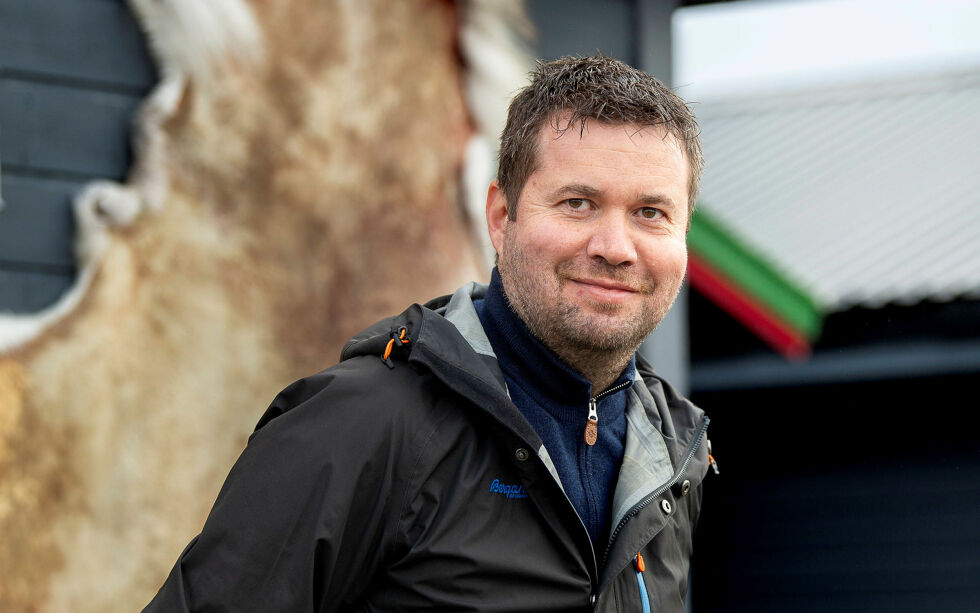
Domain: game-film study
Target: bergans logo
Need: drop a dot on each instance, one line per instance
(510, 491)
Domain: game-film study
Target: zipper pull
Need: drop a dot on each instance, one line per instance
(639, 567)
(711, 459)
(592, 425)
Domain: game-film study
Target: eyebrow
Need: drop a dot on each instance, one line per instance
(658, 199)
(587, 191)
(575, 189)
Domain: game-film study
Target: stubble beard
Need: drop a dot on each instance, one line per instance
(588, 339)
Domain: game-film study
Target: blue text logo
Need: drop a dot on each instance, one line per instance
(510, 491)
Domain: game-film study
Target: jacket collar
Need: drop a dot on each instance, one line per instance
(447, 335)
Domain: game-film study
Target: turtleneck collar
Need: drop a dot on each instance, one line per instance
(528, 362)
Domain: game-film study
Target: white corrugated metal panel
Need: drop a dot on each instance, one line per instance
(865, 194)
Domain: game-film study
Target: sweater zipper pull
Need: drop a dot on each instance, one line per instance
(592, 425)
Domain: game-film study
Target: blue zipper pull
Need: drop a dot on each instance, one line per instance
(639, 567)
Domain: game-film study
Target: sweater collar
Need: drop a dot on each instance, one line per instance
(528, 362)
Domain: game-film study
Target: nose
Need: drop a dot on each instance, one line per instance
(611, 241)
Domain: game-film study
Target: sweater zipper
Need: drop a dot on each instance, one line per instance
(592, 423)
(695, 444)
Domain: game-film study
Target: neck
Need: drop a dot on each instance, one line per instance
(601, 368)
(564, 371)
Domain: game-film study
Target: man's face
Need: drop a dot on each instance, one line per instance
(598, 250)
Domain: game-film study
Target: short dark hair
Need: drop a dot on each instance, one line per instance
(582, 88)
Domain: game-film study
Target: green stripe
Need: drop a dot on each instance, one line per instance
(749, 271)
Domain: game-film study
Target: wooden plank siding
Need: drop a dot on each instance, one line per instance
(93, 41)
(62, 129)
(857, 497)
(71, 74)
(35, 289)
(35, 222)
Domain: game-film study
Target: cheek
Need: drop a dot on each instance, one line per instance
(556, 243)
(538, 249)
(667, 258)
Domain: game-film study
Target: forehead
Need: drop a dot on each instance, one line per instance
(608, 149)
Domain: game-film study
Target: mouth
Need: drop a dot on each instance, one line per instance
(604, 289)
(606, 284)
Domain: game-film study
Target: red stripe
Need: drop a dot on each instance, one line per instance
(751, 313)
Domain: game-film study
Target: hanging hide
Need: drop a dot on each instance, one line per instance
(298, 175)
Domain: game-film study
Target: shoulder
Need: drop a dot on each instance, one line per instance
(360, 399)
(375, 405)
(676, 411)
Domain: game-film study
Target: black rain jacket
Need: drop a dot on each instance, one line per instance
(415, 484)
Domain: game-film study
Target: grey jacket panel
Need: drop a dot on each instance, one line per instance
(462, 314)
(646, 463)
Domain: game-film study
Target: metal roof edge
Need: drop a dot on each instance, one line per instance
(795, 98)
(885, 361)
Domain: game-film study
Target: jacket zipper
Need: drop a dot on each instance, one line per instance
(592, 423)
(695, 444)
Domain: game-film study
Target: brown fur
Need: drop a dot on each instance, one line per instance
(307, 198)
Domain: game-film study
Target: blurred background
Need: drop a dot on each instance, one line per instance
(831, 327)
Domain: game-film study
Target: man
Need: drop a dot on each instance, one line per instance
(502, 449)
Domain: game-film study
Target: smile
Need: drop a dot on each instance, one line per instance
(604, 289)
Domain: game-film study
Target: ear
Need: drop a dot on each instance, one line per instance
(496, 215)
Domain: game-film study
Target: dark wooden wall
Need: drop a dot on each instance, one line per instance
(71, 74)
(860, 497)
(583, 27)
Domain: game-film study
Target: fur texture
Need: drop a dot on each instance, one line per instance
(298, 175)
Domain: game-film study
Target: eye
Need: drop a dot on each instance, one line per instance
(577, 204)
(649, 212)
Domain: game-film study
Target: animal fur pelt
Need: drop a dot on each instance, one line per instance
(298, 174)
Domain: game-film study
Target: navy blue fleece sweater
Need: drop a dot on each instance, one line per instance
(555, 400)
